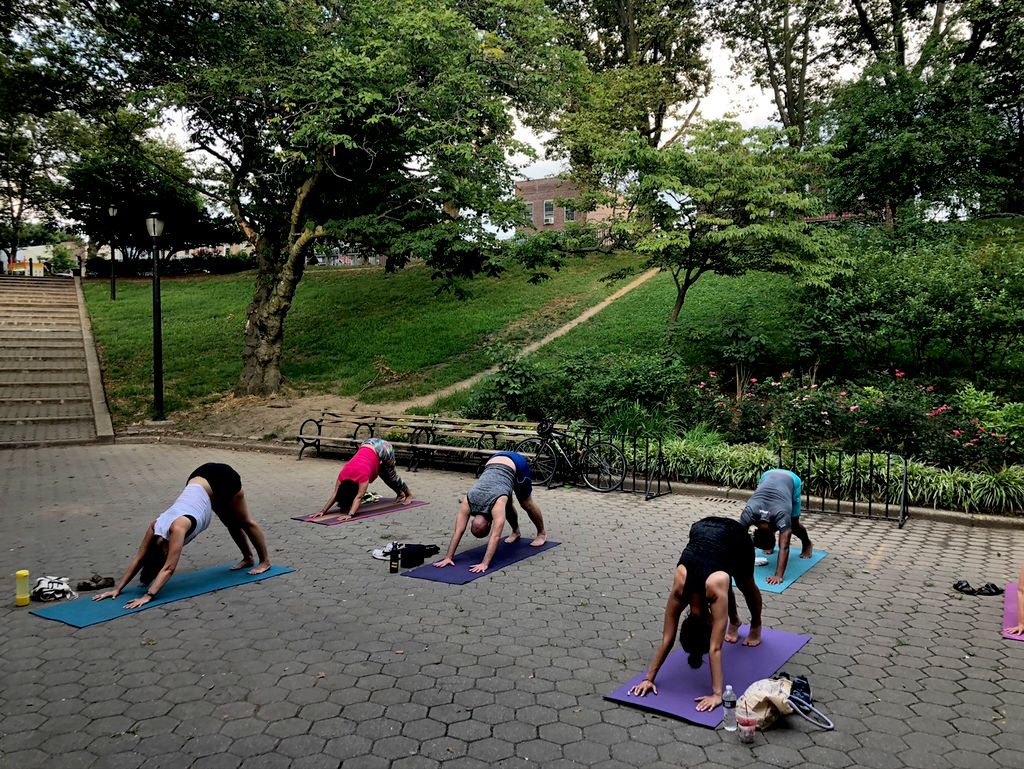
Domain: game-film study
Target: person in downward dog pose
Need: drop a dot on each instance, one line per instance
(375, 458)
(489, 504)
(775, 506)
(719, 550)
(211, 488)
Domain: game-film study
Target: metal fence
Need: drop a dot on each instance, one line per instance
(861, 484)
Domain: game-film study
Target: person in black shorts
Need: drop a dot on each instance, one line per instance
(213, 488)
(489, 504)
(719, 551)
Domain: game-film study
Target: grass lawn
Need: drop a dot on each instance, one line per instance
(355, 332)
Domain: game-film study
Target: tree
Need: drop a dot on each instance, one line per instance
(785, 46)
(116, 164)
(727, 201)
(387, 125)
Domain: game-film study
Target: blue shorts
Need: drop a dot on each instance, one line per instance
(524, 479)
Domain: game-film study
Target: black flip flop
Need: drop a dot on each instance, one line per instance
(989, 589)
(964, 587)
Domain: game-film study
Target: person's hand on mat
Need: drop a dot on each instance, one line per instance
(135, 603)
(480, 568)
(108, 594)
(641, 689)
(444, 562)
(774, 580)
(708, 702)
(1015, 630)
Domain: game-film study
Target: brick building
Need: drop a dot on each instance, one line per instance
(540, 196)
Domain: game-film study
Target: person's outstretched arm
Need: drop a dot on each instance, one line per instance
(133, 567)
(780, 567)
(461, 522)
(1018, 629)
(497, 528)
(673, 611)
(330, 500)
(175, 541)
(719, 624)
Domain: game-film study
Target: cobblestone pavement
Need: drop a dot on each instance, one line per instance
(343, 664)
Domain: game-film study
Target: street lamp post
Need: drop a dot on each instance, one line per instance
(155, 228)
(112, 211)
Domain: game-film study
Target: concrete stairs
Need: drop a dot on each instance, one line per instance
(50, 389)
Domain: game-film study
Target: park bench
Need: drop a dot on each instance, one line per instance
(419, 440)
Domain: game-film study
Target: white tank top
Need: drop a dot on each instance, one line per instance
(193, 502)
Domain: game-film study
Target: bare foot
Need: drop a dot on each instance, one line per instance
(540, 539)
(807, 552)
(513, 537)
(245, 563)
(263, 566)
(753, 637)
(732, 635)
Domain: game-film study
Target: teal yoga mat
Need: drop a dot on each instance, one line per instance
(795, 569)
(85, 612)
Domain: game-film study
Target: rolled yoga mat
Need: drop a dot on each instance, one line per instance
(459, 573)
(795, 569)
(85, 611)
(679, 684)
(380, 507)
(1010, 618)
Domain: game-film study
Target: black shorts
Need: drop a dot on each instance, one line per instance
(224, 482)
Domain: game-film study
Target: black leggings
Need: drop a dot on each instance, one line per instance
(224, 482)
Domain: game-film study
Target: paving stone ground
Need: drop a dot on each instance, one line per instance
(341, 664)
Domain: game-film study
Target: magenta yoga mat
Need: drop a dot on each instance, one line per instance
(1010, 618)
(679, 685)
(381, 507)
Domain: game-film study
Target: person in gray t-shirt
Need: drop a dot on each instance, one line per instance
(775, 506)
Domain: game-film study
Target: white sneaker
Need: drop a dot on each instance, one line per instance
(760, 561)
(384, 553)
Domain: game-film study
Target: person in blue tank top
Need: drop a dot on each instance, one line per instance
(775, 507)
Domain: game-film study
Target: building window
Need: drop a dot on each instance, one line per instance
(549, 212)
(529, 213)
(570, 215)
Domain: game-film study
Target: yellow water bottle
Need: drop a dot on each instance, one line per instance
(21, 587)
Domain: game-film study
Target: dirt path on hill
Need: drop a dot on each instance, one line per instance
(279, 417)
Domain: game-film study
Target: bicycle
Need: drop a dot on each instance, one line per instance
(601, 465)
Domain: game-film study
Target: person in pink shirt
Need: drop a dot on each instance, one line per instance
(375, 458)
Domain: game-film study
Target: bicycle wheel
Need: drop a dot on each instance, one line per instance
(542, 457)
(604, 467)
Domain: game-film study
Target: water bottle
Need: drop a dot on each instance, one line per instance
(396, 558)
(729, 709)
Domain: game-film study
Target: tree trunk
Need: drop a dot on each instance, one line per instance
(264, 328)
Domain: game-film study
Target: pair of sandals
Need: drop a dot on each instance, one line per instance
(988, 588)
(95, 582)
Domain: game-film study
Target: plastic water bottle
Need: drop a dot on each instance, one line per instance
(729, 709)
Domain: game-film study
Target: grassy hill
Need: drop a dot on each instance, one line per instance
(355, 332)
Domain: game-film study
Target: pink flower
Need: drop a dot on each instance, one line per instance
(958, 432)
(814, 387)
(854, 408)
(900, 374)
(878, 429)
(753, 381)
(701, 386)
(842, 394)
(712, 373)
(930, 389)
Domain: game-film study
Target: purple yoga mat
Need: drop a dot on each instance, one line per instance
(459, 573)
(679, 684)
(381, 507)
(1010, 611)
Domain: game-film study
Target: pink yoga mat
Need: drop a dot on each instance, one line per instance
(679, 684)
(381, 507)
(1010, 611)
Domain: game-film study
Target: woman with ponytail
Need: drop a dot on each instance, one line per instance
(718, 552)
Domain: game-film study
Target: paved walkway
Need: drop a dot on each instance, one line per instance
(343, 664)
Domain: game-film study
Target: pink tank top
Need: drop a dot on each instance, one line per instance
(362, 468)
